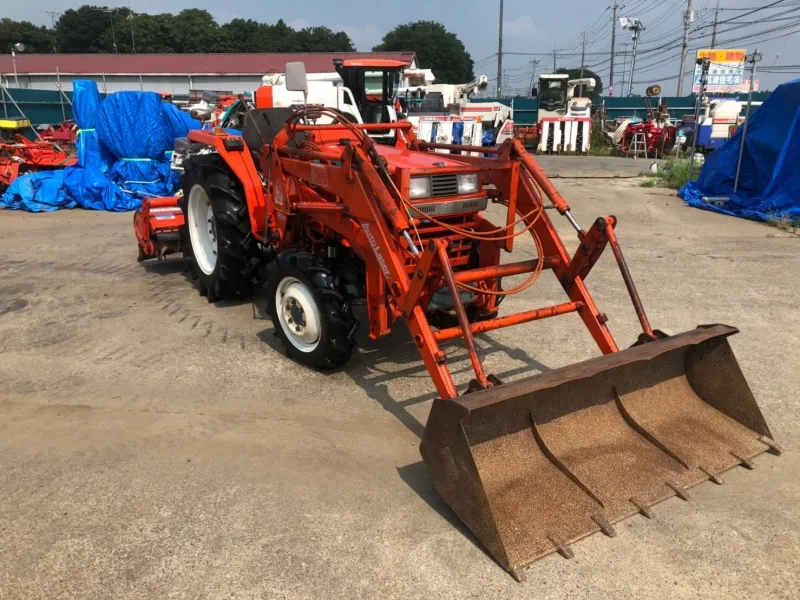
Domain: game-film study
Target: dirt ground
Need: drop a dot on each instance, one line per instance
(156, 446)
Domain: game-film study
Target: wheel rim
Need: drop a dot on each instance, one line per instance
(298, 314)
(202, 229)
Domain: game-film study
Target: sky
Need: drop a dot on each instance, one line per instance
(530, 27)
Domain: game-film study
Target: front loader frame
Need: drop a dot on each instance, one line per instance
(400, 280)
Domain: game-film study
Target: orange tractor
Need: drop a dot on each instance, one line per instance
(306, 206)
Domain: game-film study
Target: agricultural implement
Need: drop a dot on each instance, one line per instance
(308, 207)
(19, 155)
(655, 136)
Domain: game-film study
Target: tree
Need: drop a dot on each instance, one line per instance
(36, 39)
(153, 33)
(196, 30)
(81, 30)
(322, 39)
(581, 93)
(437, 49)
(91, 29)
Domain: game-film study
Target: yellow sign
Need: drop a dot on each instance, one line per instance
(723, 56)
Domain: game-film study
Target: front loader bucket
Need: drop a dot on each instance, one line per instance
(534, 465)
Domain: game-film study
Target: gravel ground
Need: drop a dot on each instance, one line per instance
(155, 446)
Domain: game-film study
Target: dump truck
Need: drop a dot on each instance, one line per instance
(309, 209)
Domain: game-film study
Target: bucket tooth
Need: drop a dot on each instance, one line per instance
(712, 476)
(562, 548)
(643, 509)
(537, 464)
(605, 526)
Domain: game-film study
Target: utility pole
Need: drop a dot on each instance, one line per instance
(752, 59)
(554, 60)
(687, 21)
(583, 53)
(614, 9)
(534, 64)
(500, 55)
(131, 15)
(624, 68)
(716, 22)
(53, 14)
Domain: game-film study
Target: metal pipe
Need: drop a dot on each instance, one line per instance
(626, 277)
(362, 126)
(698, 102)
(14, 60)
(572, 221)
(507, 270)
(461, 314)
(509, 320)
(21, 113)
(411, 245)
(60, 95)
(481, 149)
(755, 58)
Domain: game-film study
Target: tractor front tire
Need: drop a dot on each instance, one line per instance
(219, 248)
(309, 310)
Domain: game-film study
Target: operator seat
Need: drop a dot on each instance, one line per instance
(261, 125)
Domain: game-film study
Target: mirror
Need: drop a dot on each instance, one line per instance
(296, 80)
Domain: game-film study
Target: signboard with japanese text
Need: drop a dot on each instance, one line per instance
(725, 73)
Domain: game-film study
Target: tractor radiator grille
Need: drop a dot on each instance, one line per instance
(444, 185)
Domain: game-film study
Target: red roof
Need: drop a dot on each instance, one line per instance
(184, 64)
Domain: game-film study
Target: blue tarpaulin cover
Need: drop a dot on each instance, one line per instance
(123, 155)
(85, 102)
(769, 183)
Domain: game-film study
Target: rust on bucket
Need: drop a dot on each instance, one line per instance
(535, 465)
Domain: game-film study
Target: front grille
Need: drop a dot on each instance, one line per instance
(451, 207)
(444, 185)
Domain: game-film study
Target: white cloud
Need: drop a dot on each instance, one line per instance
(521, 27)
(364, 37)
(299, 24)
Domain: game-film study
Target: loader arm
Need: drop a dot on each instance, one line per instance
(532, 465)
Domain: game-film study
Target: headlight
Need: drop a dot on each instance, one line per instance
(468, 183)
(420, 187)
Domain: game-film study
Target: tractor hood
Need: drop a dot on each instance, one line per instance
(406, 159)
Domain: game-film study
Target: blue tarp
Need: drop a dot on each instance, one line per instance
(85, 102)
(769, 183)
(123, 155)
(37, 192)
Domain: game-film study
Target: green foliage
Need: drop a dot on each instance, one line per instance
(673, 174)
(576, 74)
(92, 29)
(80, 30)
(36, 39)
(436, 49)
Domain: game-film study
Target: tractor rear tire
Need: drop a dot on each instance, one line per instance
(219, 248)
(310, 311)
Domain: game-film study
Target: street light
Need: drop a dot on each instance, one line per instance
(635, 25)
(20, 47)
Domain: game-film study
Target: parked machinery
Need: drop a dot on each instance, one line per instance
(653, 137)
(564, 119)
(719, 119)
(307, 207)
(19, 155)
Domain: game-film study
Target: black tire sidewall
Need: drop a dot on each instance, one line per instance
(326, 355)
